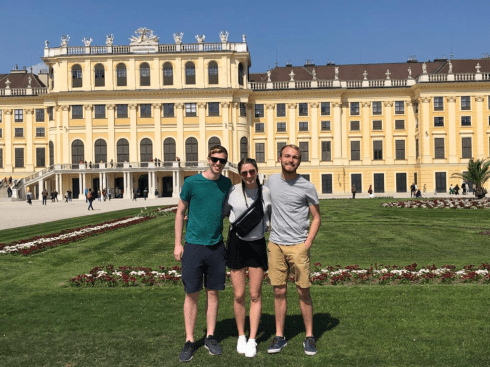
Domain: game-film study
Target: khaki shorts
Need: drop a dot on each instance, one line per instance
(289, 259)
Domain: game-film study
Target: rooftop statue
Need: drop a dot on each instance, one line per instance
(424, 68)
(87, 41)
(64, 40)
(223, 36)
(144, 36)
(109, 39)
(336, 72)
(178, 38)
(409, 72)
(450, 71)
(200, 38)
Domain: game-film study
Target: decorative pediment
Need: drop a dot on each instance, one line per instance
(144, 36)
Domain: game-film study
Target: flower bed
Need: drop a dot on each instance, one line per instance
(127, 276)
(446, 203)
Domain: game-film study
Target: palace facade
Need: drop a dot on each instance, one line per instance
(143, 116)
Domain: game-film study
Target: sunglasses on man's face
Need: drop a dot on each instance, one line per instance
(220, 160)
(252, 172)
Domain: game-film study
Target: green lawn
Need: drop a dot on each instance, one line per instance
(46, 322)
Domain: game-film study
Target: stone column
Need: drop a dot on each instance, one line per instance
(57, 182)
(314, 152)
(41, 188)
(479, 128)
(8, 140)
(203, 144)
(271, 155)
(133, 141)
(89, 144)
(111, 134)
(292, 123)
(425, 127)
(180, 148)
(81, 195)
(176, 184)
(157, 117)
(29, 144)
(388, 158)
(410, 128)
(365, 129)
(337, 133)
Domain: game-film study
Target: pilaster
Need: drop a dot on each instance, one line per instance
(424, 130)
(8, 139)
(410, 128)
(179, 108)
(225, 113)
(337, 133)
(314, 152)
(451, 143)
(66, 149)
(157, 146)
(203, 144)
(479, 128)
(29, 140)
(89, 149)
(292, 123)
(271, 155)
(388, 132)
(365, 128)
(111, 133)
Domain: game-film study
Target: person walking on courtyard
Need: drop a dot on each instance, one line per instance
(145, 193)
(248, 205)
(412, 190)
(29, 196)
(293, 200)
(463, 187)
(45, 196)
(370, 191)
(353, 190)
(109, 194)
(203, 257)
(90, 197)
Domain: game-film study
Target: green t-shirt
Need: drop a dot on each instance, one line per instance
(205, 198)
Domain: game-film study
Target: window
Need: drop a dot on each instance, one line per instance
(326, 151)
(190, 73)
(465, 103)
(303, 126)
(0, 115)
(241, 74)
(190, 110)
(379, 182)
(280, 145)
(355, 150)
(40, 157)
(259, 110)
(400, 149)
(40, 132)
(144, 74)
(40, 115)
(77, 112)
(213, 73)
(354, 125)
(377, 109)
(121, 75)
(465, 120)
(466, 151)
(401, 182)
(399, 107)
(377, 150)
(305, 151)
(19, 132)
(19, 157)
(19, 115)
(281, 127)
(213, 109)
(145, 110)
(122, 111)
(122, 150)
(356, 181)
(438, 121)
(325, 125)
(243, 148)
(213, 141)
(169, 150)
(260, 152)
(1, 158)
(439, 148)
(76, 76)
(438, 104)
(1, 133)
(99, 112)
(77, 151)
(281, 110)
(325, 108)
(354, 108)
(306, 176)
(441, 182)
(416, 148)
(377, 125)
(146, 150)
(50, 113)
(399, 124)
(327, 187)
(99, 75)
(168, 74)
(243, 109)
(168, 110)
(303, 109)
(259, 127)
(100, 150)
(51, 153)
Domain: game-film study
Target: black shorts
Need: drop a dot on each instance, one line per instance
(242, 254)
(206, 263)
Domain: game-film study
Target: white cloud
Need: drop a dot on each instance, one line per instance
(38, 68)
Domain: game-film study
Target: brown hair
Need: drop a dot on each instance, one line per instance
(217, 149)
(295, 147)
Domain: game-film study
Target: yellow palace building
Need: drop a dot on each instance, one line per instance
(142, 116)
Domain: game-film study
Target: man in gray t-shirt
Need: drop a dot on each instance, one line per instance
(293, 199)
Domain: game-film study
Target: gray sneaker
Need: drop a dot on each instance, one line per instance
(310, 346)
(277, 344)
(187, 352)
(211, 344)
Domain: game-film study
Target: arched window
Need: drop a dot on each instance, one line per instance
(99, 75)
(122, 151)
(213, 141)
(168, 74)
(190, 73)
(144, 74)
(100, 151)
(51, 153)
(122, 79)
(243, 148)
(146, 150)
(213, 72)
(191, 153)
(169, 150)
(76, 76)
(241, 74)
(77, 151)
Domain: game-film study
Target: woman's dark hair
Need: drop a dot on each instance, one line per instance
(253, 163)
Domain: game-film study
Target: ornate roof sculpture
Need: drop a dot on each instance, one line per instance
(144, 36)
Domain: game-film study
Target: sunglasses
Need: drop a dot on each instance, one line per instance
(252, 172)
(220, 160)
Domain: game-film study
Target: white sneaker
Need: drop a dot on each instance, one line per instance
(241, 345)
(251, 349)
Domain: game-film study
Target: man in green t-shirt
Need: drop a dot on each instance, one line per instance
(203, 257)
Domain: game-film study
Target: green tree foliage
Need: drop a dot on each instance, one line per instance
(478, 173)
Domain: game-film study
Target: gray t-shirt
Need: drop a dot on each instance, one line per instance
(291, 200)
(235, 206)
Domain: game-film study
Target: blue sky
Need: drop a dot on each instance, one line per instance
(347, 32)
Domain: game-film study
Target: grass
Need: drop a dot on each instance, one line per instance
(45, 322)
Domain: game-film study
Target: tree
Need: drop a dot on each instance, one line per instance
(478, 173)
